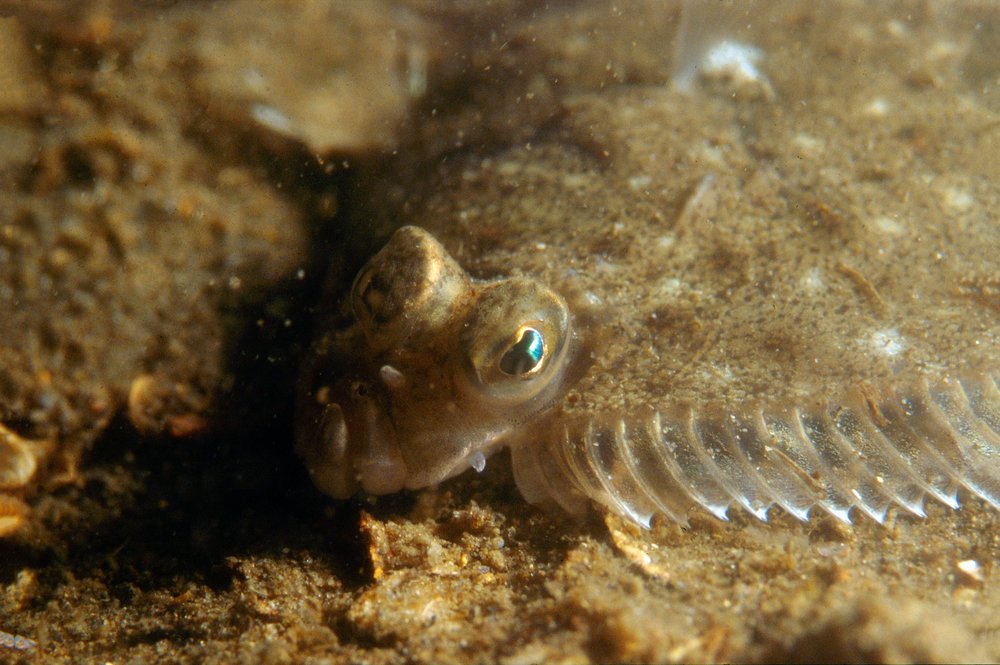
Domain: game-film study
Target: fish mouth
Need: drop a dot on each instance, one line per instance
(355, 443)
(349, 442)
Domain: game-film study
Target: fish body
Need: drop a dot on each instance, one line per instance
(744, 318)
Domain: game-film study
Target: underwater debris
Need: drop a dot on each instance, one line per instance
(708, 44)
(17, 642)
(20, 457)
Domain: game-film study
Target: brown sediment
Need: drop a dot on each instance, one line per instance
(13, 513)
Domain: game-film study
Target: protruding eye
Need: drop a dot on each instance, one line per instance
(411, 288)
(514, 342)
(525, 355)
(369, 296)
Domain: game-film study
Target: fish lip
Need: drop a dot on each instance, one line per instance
(348, 440)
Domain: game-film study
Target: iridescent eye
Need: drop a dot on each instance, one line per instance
(525, 355)
(514, 343)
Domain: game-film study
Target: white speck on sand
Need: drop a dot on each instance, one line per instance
(877, 108)
(888, 342)
(888, 225)
(809, 146)
(272, 118)
(956, 199)
(639, 182)
(665, 242)
(734, 59)
(812, 281)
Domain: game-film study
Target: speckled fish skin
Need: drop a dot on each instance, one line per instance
(777, 325)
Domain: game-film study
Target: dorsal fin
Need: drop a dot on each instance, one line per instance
(874, 447)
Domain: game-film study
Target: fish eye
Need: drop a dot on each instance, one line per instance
(514, 342)
(524, 356)
(369, 295)
(408, 290)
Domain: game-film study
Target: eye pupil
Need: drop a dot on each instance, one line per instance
(525, 354)
(371, 292)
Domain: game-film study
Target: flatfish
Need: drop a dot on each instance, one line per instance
(670, 301)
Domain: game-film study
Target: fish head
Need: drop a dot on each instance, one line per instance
(436, 369)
